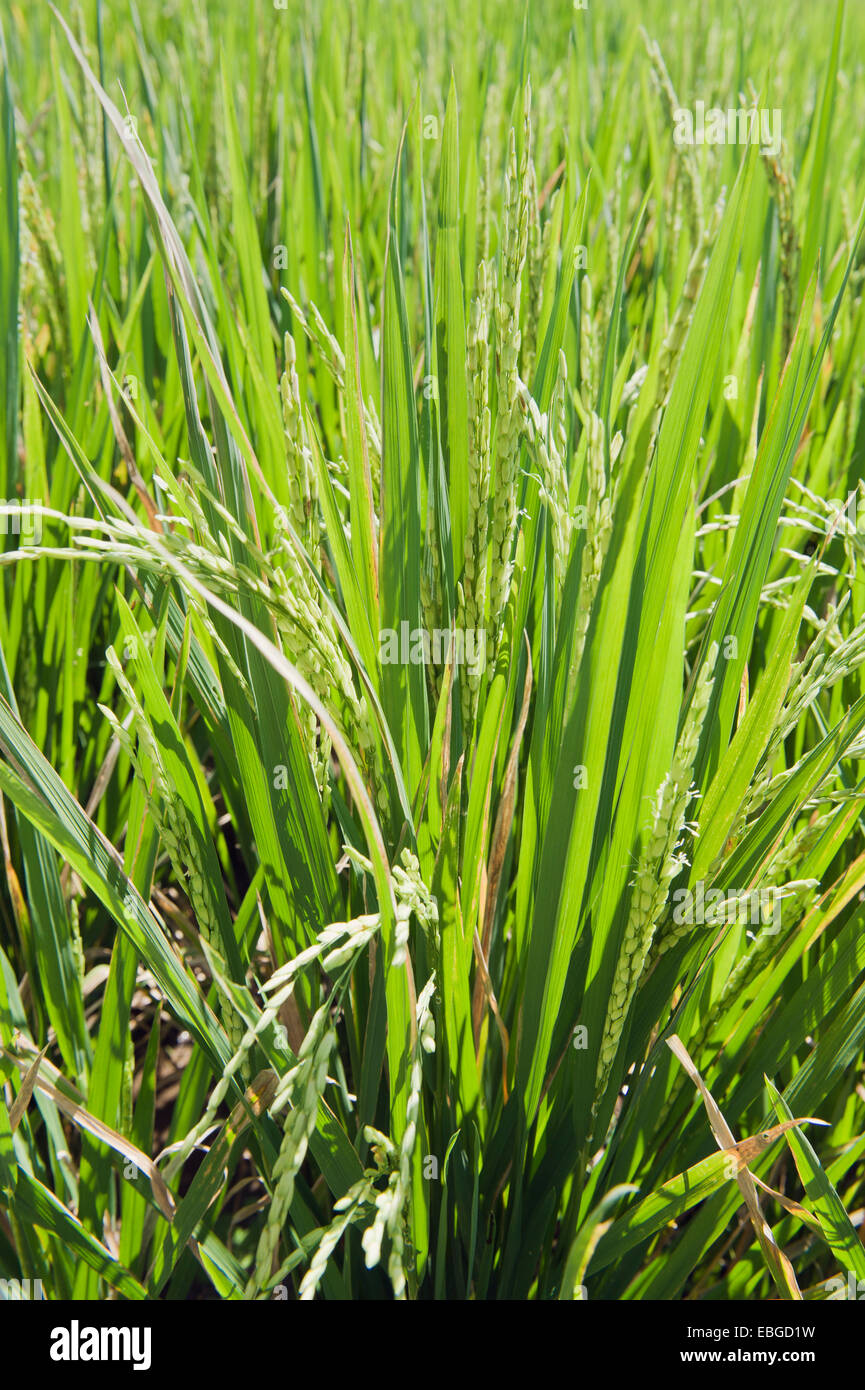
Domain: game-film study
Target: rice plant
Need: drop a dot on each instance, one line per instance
(432, 651)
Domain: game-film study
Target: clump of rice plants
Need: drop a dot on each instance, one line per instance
(432, 694)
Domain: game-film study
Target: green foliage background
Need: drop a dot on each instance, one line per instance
(263, 272)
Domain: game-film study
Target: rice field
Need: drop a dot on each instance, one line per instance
(432, 651)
